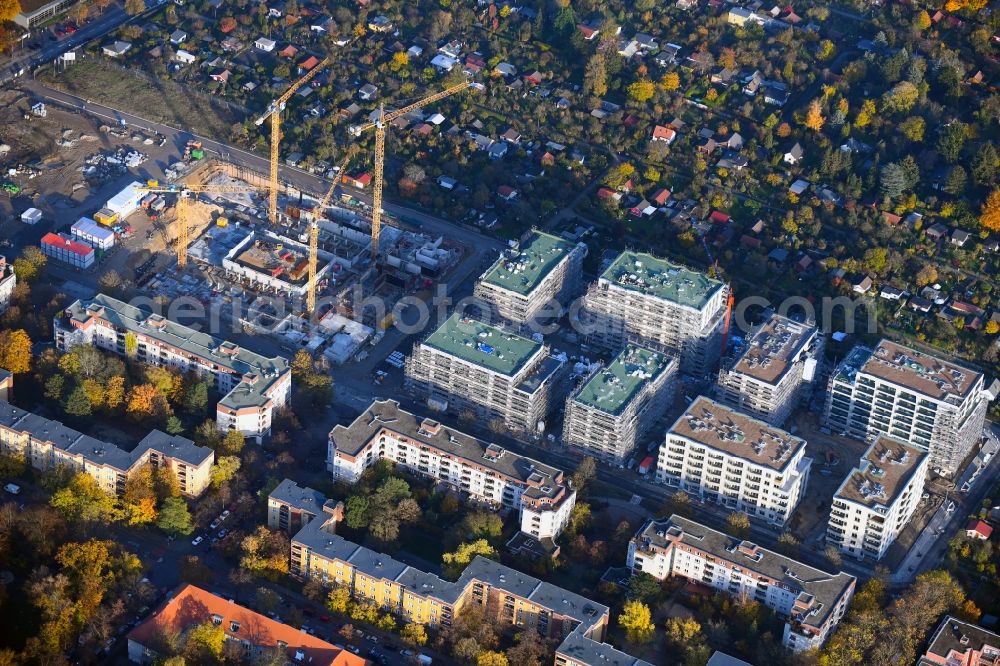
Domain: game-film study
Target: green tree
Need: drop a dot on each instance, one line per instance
(951, 140)
(77, 403)
(233, 442)
(30, 264)
(175, 517)
(900, 98)
(456, 561)
(595, 76)
(984, 165)
(641, 91)
(83, 500)
(482, 524)
(644, 587)
(338, 599)
(225, 470)
(637, 621)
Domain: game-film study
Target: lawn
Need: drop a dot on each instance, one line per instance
(163, 102)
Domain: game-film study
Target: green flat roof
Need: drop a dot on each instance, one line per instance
(646, 274)
(615, 385)
(536, 258)
(484, 345)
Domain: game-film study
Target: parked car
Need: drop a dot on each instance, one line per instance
(197, 540)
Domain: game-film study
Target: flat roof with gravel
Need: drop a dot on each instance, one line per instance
(523, 270)
(652, 276)
(884, 471)
(613, 387)
(481, 344)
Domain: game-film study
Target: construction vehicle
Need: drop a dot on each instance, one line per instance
(314, 232)
(274, 113)
(379, 126)
(185, 196)
(11, 188)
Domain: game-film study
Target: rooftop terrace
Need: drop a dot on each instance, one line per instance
(483, 345)
(522, 270)
(613, 387)
(661, 279)
(719, 427)
(882, 474)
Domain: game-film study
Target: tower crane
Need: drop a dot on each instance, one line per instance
(314, 231)
(185, 196)
(379, 125)
(274, 113)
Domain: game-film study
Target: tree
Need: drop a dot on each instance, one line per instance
(951, 140)
(175, 518)
(338, 599)
(491, 658)
(133, 7)
(83, 500)
(15, 351)
(926, 275)
(922, 20)
(225, 470)
(618, 175)
(233, 442)
(528, 650)
(482, 524)
(875, 259)
(984, 165)
(457, 561)
(637, 621)
(989, 216)
(31, 263)
(683, 631)
(399, 61)
(414, 634)
(832, 554)
(738, 524)
(9, 9)
(584, 473)
(77, 403)
(207, 639)
(144, 402)
(992, 327)
(671, 81)
(814, 116)
(913, 128)
(265, 553)
(644, 587)
(892, 180)
(865, 114)
(641, 91)
(900, 98)
(595, 76)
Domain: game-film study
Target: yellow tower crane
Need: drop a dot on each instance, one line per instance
(314, 232)
(274, 113)
(185, 196)
(379, 126)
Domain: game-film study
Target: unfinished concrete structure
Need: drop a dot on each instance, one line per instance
(655, 303)
(912, 396)
(536, 276)
(774, 370)
(469, 365)
(616, 405)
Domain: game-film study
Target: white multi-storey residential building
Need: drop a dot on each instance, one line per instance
(487, 472)
(812, 600)
(773, 371)
(911, 396)
(724, 456)
(536, 277)
(47, 444)
(877, 499)
(7, 283)
(657, 304)
(616, 405)
(253, 386)
(469, 365)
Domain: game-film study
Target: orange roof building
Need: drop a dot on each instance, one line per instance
(191, 606)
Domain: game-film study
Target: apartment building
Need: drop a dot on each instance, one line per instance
(290, 506)
(723, 456)
(488, 473)
(911, 396)
(469, 365)
(6, 385)
(812, 601)
(253, 386)
(537, 276)
(958, 643)
(616, 405)
(7, 283)
(507, 596)
(773, 371)
(259, 637)
(657, 304)
(47, 444)
(877, 499)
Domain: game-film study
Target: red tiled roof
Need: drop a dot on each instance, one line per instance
(288, 52)
(309, 63)
(980, 527)
(660, 196)
(505, 190)
(192, 606)
(661, 132)
(719, 217)
(73, 246)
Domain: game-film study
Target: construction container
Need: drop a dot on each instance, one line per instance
(158, 205)
(31, 216)
(197, 154)
(91, 233)
(106, 216)
(127, 201)
(147, 200)
(221, 222)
